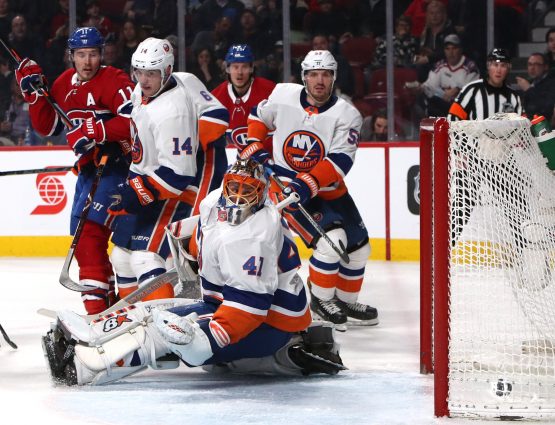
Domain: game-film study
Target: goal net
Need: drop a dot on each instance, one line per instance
(487, 259)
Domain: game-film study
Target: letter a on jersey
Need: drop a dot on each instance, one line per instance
(90, 100)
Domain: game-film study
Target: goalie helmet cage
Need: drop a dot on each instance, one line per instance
(487, 295)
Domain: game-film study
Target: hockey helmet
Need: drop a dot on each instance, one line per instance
(154, 54)
(319, 59)
(499, 55)
(244, 190)
(239, 53)
(85, 37)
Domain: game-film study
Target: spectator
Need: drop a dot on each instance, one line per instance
(345, 81)
(405, 45)
(16, 119)
(447, 79)
(550, 52)
(5, 19)
(129, 38)
(6, 76)
(417, 12)
(538, 90)
(328, 20)
(206, 69)
(95, 19)
(59, 19)
(369, 18)
(138, 11)
(22, 42)
(251, 34)
(374, 127)
(219, 38)
(437, 28)
(272, 68)
(164, 18)
(110, 56)
(211, 10)
(56, 50)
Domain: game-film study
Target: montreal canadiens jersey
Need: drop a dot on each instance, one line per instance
(306, 137)
(251, 269)
(167, 129)
(106, 96)
(240, 107)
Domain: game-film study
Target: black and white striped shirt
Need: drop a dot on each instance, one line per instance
(479, 100)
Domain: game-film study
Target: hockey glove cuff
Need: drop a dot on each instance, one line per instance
(305, 185)
(256, 151)
(132, 196)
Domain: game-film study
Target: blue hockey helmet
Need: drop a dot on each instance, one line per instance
(85, 37)
(239, 53)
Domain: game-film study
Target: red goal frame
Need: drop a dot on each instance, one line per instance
(435, 255)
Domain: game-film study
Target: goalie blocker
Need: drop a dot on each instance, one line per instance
(147, 334)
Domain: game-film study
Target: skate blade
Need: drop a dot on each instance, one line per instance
(356, 322)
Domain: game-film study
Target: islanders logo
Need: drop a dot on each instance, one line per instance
(302, 150)
(137, 149)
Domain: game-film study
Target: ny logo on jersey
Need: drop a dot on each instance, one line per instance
(302, 150)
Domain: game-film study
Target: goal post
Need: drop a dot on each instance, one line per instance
(487, 291)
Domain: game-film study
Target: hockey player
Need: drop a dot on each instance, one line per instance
(175, 163)
(314, 145)
(253, 317)
(241, 92)
(96, 99)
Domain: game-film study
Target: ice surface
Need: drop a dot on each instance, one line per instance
(381, 387)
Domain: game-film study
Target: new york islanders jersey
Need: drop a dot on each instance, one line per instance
(240, 107)
(167, 129)
(320, 141)
(106, 96)
(250, 270)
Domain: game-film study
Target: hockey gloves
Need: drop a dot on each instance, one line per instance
(306, 187)
(256, 151)
(132, 196)
(30, 78)
(84, 137)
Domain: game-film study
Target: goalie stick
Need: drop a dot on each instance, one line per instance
(341, 249)
(7, 338)
(137, 295)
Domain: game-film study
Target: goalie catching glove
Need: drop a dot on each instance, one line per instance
(132, 195)
(31, 79)
(86, 136)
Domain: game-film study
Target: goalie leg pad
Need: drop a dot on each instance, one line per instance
(183, 336)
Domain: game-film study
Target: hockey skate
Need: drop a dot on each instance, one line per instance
(359, 314)
(329, 311)
(59, 354)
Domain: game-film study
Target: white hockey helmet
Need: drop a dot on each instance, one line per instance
(244, 190)
(319, 59)
(154, 53)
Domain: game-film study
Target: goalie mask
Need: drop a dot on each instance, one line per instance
(244, 190)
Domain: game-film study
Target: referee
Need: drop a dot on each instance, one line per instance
(482, 98)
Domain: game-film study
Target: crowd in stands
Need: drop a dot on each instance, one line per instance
(353, 30)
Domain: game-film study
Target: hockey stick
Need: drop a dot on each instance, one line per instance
(34, 171)
(341, 249)
(65, 279)
(137, 295)
(7, 338)
(41, 90)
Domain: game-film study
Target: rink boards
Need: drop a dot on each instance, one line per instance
(35, 218)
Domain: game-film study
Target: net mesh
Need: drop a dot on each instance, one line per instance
(502, 288)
